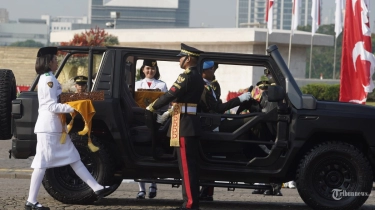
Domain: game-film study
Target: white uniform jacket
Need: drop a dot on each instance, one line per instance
(154, 84)
(48, 90)
(49, 151)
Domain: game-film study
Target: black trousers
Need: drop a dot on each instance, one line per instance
(207, 190)
(187, 155)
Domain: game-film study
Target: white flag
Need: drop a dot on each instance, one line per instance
(338, 17)
(269, 15)
(295, 15)
(315, 14)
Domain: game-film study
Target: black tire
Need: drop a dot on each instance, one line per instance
(331, 166)
(65, 186)
(8, 92)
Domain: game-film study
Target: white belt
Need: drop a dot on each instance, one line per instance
(189, 109)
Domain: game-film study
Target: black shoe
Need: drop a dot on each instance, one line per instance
(182, 208)
(267, 192)
(206, 198)
(258, 191)
(277, 193)
(103, 192)
(152, 194)
(141, 195)
(30, 206)
(274, 192)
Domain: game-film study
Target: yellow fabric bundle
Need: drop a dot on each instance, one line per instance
(87, 111)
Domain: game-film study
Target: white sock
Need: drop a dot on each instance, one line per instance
(142, 186)
(35, 182)
(85, 175)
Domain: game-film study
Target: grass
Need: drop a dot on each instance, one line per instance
(372, 103)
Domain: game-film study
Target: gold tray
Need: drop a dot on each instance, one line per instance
(151, 90)
(94, 96)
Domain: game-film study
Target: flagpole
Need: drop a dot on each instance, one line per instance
(267, 42)
(312, 37)
(334, 60)
(290, 46)
(290, 41)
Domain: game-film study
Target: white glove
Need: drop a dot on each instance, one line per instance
(244, 97)
(162, 118)
(149, 108)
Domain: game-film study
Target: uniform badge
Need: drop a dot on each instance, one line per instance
(187, 71)
(180, 79)
(50, 84)
(173, 89)
(177, 85)
(207, 87)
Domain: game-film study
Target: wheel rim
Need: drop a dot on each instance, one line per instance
(333, 173)
(68, 178)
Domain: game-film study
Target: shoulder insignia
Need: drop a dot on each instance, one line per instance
(213, 87)
(50, 84)
(180, 79)
(214, 81)
(177, 85)
(47, 74)
(187, 71)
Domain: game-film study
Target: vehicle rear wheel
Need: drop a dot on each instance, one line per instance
(65, 186)
(8, 91)
(334, 175)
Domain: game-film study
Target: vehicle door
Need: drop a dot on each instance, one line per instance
(255, 142)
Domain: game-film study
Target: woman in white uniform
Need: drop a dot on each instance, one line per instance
(49, 151)
(149, 73)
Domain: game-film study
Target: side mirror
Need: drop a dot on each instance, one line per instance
(276, 93)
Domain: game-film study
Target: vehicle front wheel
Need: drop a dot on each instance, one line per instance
(65, 186)
(334, 175)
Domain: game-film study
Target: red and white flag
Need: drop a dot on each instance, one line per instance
(269, 15)
(315, 15)
(295, 15)
(357, 61)
(338, 18)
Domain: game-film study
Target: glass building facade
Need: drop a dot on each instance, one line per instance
(251, 13)
(141, 14)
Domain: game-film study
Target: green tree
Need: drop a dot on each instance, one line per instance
(27, 43)
(93, 37)
(323, 56)
(111, 40)
(304, 28)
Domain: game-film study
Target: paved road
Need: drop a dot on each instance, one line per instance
(14, 185)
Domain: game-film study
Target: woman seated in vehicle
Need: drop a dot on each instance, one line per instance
(149, 73)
